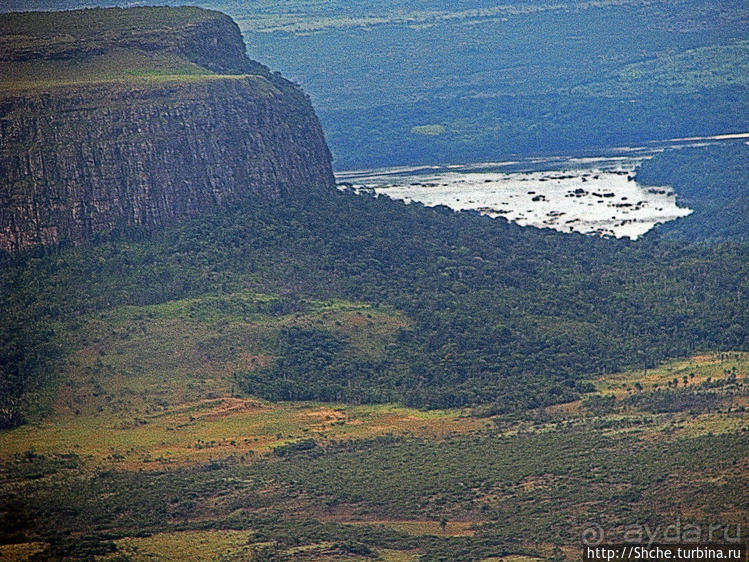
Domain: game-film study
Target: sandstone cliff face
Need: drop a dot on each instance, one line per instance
(78, 159)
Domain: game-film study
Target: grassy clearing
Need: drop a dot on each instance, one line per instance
(74, 52)
(136, 78)
(421, 528)
(198, 432)
(686, 71)
(92, 22)
(231, 545)
(21, 551)
(389, 555)
(116, 64)
(721, 373)
(101, 45)
(144, 360)
(189, 545)
(697, 369)
(152, 387)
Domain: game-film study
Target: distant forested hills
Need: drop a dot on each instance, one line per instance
(523, 78)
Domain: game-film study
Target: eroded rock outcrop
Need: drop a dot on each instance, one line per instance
(79, 158)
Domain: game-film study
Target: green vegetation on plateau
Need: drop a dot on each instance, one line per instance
(44, 49)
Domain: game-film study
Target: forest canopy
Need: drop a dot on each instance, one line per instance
(498, 314)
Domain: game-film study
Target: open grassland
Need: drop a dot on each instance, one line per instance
(93, 22)
(232, 545)
(218, 429)
(141, 360)
(139, 78)
(424, 527)
(45, 49)
(189, 545)
(21, 551)
(117, 65)
(42, 50)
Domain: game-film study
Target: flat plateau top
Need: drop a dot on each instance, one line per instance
(44, 49)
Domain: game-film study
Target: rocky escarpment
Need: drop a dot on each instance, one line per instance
(87, 159)
(79, 158)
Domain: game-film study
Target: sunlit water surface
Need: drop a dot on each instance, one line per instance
(597, 196)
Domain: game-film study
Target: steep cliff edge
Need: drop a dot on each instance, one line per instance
(141, 116)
